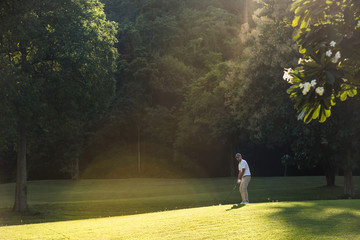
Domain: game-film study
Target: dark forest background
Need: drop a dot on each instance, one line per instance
(196, 82)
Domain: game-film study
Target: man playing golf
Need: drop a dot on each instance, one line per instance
(244, 178)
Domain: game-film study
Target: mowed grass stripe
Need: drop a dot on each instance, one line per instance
(335, 219)
(62, 200)
(260, 189)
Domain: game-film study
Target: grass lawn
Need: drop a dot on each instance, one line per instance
(104, 209)
(329, 219)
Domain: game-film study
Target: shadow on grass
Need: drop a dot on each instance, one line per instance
(41, 213)
(236, 206)
(320, 218)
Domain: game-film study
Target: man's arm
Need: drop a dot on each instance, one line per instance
(241, 174)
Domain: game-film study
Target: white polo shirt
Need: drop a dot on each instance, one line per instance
(244, 164)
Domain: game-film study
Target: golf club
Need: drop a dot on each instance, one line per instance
(227, 197)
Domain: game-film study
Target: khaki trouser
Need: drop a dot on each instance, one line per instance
(243, 188)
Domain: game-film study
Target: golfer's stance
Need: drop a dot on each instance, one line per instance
(244, 178)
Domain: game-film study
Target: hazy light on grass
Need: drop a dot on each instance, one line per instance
(286, 220)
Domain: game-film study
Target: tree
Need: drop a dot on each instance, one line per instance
(328, 38)
(164, 46)
(345, 141)
(205, 122)
(209, 37)
(261, 111)
(313, 145)
(57, 61)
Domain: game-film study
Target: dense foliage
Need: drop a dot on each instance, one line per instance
(57, 63)
(195, 82)
(173, 56)
(328, 36)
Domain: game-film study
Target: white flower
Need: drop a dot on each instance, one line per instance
(336, 58)
(306, 89)
(313, 83)
(301, 86)
(307, 85)
(304, 60)
(319, 90)
(328, 53)
(287, 77)
(338, 54)
(332, 44)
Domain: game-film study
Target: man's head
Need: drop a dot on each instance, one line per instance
(238, 157)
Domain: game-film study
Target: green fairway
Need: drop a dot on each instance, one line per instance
(72, 200)
(335, 219)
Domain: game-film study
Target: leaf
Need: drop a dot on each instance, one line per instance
(332, 100)
(343, 96)
(352, 92)
(297, 36)
(305, 22)
(316, 112)
(322, 116)
(302, 50)
(291, 89)
(325, 113)
(310, 109)
(295, 22)
(347, 93)
(302, 114)
(328, 112)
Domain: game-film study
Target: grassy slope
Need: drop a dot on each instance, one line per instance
(279, 220)
(67, 200)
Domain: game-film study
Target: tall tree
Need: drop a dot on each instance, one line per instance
(57, 61)
(259, 108)
(210, 38)
(328, 38)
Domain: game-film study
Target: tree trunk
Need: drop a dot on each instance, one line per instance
(348, 178)
(348, 183)
(330, 179)
(330, 171)
(20, 204)
(327, 161)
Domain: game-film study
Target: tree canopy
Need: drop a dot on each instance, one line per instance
(328, 37)
(57, 61)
